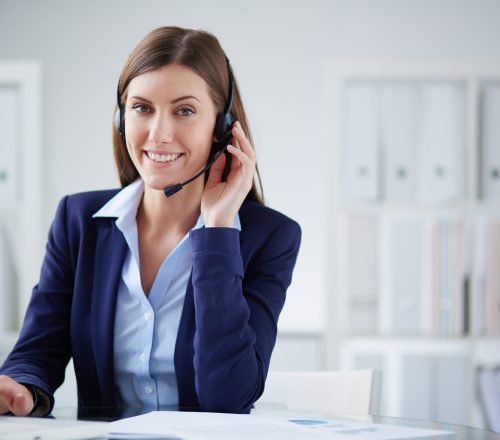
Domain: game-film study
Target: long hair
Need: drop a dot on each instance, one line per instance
(201, 52)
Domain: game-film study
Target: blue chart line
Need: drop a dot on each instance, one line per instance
(308, 422)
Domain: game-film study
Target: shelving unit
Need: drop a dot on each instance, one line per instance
(415, 175)
(21, 238)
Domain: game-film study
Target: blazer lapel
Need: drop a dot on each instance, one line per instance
(110, 254)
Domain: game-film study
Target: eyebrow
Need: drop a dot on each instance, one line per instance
(174, 101)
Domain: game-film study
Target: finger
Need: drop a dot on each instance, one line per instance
(215, 174)
(15, 398)
(245, 162)
(243, 141)
(247, 155)
(22, 403)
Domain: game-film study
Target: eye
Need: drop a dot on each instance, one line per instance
(185, 111)
(141, 108)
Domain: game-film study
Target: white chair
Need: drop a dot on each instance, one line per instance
(342, 392)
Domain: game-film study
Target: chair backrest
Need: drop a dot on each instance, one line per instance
(343, 392)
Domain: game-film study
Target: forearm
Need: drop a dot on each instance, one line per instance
(227, 356)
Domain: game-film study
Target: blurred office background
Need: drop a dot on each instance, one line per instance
(307, 72)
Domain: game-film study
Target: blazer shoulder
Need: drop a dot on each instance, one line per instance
(255, 216)
(89, 202)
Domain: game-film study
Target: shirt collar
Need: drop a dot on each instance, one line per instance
(123, 206)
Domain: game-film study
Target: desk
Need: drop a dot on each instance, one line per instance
(460, 432)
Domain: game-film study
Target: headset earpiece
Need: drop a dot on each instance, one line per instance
(225, 119)
(223, 125)
(119, 116)
(118, 122)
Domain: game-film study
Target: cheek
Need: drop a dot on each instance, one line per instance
(197, 140)
(136, 137)
(135, 133)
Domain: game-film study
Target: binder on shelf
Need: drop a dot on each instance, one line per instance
(361, 142)
(362, 273)
(478, 279)
(417, 381)
(488, 387)
(485, 279)
(399, 130)
(451, 387)
(441, 142)
(490, 136)
(9, 144)
(444, 278)
(435, 387)
(492, 285)
(8, 285)
(400, 299)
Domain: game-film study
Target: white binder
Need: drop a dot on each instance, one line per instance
(490, 135)
(362, 273)
(400, 299)
(399, 113)
(441, 142)
(9, 143)
(361, 141)
(8, 285)
(488, 387)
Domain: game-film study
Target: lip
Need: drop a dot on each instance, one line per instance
(161, 152)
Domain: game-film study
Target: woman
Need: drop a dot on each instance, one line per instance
(161, 301)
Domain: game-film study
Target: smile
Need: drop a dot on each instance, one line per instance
(163, 157)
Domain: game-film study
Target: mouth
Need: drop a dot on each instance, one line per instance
(163, 157)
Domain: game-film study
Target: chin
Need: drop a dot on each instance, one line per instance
(157, 184)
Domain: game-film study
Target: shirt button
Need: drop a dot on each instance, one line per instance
(143, 357)
(148, 389)
(147, 316)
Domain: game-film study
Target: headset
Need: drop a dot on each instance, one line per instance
(222, 132)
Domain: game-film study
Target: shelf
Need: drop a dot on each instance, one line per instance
(402, 260)
(393, 207)
(402, 343)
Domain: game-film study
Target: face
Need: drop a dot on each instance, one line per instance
(169, 124)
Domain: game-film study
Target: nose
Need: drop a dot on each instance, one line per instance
(161, 130)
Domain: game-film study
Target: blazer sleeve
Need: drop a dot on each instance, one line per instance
(236, 312)
(42, 351)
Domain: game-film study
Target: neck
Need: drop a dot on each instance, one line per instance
(176, 214)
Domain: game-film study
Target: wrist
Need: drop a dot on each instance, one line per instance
(41, 402)
(214, 222)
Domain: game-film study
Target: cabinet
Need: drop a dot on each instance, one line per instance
(415, 215)
(21, 238)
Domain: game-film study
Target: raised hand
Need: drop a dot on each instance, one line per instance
(222, 200)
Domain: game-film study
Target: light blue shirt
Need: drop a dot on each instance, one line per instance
(146, 326)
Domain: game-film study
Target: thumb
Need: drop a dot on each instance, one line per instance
(22, 402)
(14, 397)
(215, 173)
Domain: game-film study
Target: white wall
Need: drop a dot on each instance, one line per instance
(278, 50)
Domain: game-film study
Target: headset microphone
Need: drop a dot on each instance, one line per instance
(222, 134)
(171, 190)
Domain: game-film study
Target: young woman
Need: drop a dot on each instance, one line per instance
(162, 301)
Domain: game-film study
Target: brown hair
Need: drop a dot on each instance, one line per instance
(201, 52)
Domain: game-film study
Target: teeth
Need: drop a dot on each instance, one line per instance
(163, 157)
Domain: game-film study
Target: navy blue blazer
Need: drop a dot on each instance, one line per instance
(228, 324)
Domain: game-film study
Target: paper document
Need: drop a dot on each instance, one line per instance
(27, 428)
(216, 426)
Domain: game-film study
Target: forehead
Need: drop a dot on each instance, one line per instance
(169, 82)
